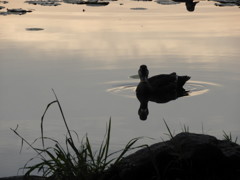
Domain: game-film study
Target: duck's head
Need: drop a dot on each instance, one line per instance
(143, 73)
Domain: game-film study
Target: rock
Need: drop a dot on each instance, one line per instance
(166, 2)
(222, 3)
(44, 2)
(138, 8)
(87, 2)
(186, 156)
(34, 29)
(97, 3)
(18, 11)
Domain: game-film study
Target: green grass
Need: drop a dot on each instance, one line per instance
(73, 161)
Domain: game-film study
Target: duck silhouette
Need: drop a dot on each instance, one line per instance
(160, 89)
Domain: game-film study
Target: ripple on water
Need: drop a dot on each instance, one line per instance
(127, 88)
(121, 88)
(197, 88)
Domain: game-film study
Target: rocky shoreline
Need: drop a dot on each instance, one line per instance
(187, 156)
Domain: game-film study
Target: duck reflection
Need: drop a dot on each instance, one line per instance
(190, 4)
(160, 89)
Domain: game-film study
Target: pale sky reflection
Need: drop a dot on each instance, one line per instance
(155, 33)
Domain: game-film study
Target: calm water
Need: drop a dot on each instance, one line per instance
(89, 58)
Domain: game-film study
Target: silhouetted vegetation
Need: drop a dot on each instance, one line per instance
(74, 161)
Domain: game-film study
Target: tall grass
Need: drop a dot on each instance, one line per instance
(73, 161)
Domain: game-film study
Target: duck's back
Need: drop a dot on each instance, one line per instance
(163, 79)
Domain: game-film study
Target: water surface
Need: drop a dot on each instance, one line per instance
(89, 58)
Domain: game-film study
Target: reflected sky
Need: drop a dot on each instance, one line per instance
(88, 57)
(163, 32)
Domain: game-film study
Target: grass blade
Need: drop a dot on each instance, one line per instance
(43, 118)
(169, 131)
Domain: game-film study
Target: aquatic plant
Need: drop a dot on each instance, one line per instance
(73, 162)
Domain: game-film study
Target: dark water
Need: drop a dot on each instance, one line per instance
(90, 59)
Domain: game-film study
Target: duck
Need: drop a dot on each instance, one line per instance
(162, 83)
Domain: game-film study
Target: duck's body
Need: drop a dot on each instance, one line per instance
(163, 83)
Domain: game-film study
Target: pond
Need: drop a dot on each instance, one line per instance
(90, 56)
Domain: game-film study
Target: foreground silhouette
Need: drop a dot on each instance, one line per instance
(160, 89)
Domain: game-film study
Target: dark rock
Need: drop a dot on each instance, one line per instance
(18, 11)
(44, 2)
(34, 29)
(222, 3)
(138, 8)
(87, 2)
(187, 156)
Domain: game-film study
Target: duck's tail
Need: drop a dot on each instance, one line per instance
(182, 80)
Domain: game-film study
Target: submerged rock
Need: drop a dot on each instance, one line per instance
(138, 8)
(44, 2)
(34, 29)
(222, 3)
(186, 156)
(167, 2)
(87, 2)
(18, 11)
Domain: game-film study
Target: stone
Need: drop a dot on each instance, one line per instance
(185, 156)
